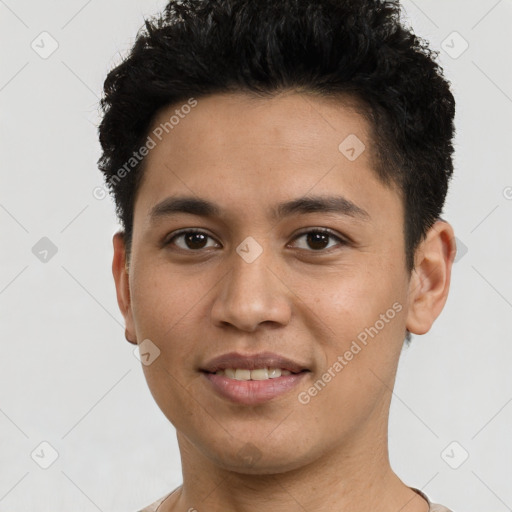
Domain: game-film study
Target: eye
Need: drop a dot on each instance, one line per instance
(318, 239)
(193, 240)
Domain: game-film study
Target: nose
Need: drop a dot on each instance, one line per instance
(251, 294)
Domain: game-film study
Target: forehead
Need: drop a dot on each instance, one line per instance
(298, 125)
(236, 148)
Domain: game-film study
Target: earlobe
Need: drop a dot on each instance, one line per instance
(121, 278)
(430, 281)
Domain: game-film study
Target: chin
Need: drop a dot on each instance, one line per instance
(259, 457)
(266, 465)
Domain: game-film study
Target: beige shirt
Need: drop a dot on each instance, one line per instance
(434, 507)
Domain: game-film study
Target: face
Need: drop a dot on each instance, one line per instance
(297, 264)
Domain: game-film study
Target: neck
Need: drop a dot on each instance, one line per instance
(347, 478)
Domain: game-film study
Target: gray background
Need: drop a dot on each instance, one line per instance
(70, 379)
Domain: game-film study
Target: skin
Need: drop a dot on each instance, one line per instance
(305, 303)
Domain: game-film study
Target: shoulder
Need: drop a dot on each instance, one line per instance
(433, 507)
(155, 505)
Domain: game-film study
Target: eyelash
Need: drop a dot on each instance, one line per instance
(323, 231)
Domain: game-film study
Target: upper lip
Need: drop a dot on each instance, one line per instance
(252, 362)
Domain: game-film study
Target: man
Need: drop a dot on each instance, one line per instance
(279, 169)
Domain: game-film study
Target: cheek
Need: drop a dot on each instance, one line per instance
(161, 299)
(365, 320)
(166, 309)
(349, 301)
(360, 356)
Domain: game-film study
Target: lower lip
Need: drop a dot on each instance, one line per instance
(252, 392)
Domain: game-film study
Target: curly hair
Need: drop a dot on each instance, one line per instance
(332, 48)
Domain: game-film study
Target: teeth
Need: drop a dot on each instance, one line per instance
(257, 374)
(242, 374)
(274, 372)
(229, 372)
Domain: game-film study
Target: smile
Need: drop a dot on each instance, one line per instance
(256, 374)
(245, 389)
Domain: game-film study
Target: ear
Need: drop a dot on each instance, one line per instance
(430, 280)
(121, 278)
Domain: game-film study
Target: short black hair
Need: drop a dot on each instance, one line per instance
(358, 49)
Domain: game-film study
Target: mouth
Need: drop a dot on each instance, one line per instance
(256, 374)
(253, 379)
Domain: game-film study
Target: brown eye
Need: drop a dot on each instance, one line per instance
(195, 240)
(318, 240)
(191, 240)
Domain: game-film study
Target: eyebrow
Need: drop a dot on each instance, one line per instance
(303, 205)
